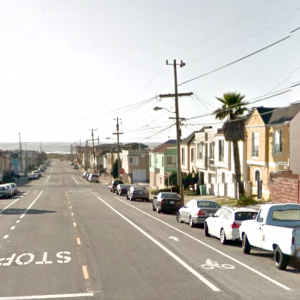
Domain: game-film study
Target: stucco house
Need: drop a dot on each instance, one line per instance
(268, 142)
(162, 162)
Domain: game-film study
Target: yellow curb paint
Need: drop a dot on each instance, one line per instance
(85, 272)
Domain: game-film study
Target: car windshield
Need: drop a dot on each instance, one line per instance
(207, 204)
(245, 215)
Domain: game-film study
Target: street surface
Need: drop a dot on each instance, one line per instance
(64, 237)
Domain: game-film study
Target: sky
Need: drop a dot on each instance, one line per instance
(70, 66)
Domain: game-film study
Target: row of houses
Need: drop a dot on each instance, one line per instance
(271, 145)
(13, 163)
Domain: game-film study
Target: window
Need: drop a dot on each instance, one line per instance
(255, 144)
(162, 161)
(277, 141)
(192, 154)
(183, 156)
(200, 151)
(221, 150)
(171, 161)
(212, 153)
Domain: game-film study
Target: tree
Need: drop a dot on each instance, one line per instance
(115, 171)
(233, 108)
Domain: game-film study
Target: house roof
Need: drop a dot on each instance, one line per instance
(278, 115)
(191, 137)
(163, 147)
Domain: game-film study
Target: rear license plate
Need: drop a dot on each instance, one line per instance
(140, 192)
(172, 202)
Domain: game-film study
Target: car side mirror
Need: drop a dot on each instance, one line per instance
(155, 197)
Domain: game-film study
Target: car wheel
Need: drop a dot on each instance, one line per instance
(178, 217)
(127, 197)
(281, 259)
(153, 208)
(223, 237)
(206, 230)
(158, 210)
(245, 245)
(191, 222)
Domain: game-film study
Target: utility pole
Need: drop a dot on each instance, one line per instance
(94, 154)
(25, 171)
(21, 161)
(176, 95)
(118, 133)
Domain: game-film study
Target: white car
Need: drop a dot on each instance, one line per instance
(93, 177)
(225, 223)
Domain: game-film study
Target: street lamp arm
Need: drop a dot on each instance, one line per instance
(156, 108)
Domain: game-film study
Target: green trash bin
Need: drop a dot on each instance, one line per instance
(202, 190)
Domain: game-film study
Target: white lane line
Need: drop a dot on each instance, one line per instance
(59, 296)
(18, 221)
(47, 179)
(74, 224)
(75, 180)
(6, 236)
(208, 246)
(86, 182)
(9, 205)
(13, 227)
(78, 241)
(185, 265)
(31, 204)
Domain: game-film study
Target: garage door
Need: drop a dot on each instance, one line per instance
(139, 175)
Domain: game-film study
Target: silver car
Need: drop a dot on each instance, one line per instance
(225, 223)
(196, 211)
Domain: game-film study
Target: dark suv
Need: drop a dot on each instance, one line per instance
(138, 192)
(114, 184)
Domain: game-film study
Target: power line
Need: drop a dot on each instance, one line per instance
(235, 43)
(238, 60)
(223, 29)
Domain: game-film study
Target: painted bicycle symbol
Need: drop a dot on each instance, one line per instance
(210, 265)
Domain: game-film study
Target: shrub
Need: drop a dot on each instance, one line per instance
(246, 200)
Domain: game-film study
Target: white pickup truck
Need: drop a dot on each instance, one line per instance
(276, 228)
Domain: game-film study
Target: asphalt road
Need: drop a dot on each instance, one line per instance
(66, 238)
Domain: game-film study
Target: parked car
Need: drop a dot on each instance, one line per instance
(196, 211)
(76, 167)
(9, 189)
(114, 184)
(166, 202)
(84, 174)
(14, 188)
(87, 175)
(93, 177)
(138, 192)
(4, 192)
(225, 223)
(42, 168)
(277, 229)
(122, 189)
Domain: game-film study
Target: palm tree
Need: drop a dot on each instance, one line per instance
(233, 108)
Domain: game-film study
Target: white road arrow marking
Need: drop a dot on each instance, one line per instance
(174, 238)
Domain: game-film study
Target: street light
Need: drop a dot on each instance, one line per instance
(156, 108)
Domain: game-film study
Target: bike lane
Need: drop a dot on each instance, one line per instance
(240, 278)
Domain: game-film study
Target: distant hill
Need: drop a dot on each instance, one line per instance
(50, 147)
